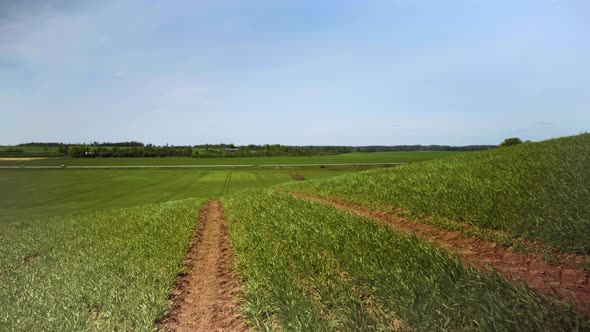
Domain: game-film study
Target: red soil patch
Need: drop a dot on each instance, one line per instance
(561, 280)
(205, 298)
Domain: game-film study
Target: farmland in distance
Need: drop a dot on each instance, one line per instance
(347, 158)
(34, 193)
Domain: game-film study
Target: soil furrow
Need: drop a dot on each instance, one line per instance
(560, 280)
(205, 299)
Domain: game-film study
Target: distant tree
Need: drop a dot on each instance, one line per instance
(63, 150)
(76, 152)
(511, 141)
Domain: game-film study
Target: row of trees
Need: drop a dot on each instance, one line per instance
(58, 144)
(119, 144)
(230, 150)
(399, 148)
(43, 144)
(512, 141)
(139, 149)
(118, 152)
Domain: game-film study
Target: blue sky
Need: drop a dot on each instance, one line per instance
(293, 72)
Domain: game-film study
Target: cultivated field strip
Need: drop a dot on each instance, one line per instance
(94, 271)
(349, 159)
(538, 191)
(32, 167)
(126, 192)
(68, 180)
(205, 298)
(565, 282)
(307, 266)
(81, 190)
(69, 195)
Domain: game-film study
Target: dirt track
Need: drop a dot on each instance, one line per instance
(206, 298)
(563, 281)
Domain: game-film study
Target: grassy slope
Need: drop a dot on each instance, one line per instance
(311, 267)
(377, 157)
(538, 190)
(109, 270)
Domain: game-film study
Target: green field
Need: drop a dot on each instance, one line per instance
(539, 190)
(357, 157)
(31, 149)
(308, 267)
(99, 271)
(98, 249)
(33, 193)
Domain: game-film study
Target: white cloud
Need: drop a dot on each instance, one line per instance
(134, 67)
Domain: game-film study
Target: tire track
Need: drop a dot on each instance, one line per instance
(226, 184)
(205, 299)
(259, 178)
(183, 187)
(562, 281)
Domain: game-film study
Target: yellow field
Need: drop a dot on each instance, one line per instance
(21, 158)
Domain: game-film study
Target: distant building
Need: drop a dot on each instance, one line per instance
(231, 149)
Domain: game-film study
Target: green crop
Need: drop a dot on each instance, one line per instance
(26, 194)
(355, 157)
(533, 190)
(306, 266)
(103, 271)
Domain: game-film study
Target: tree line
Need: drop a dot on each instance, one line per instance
(252, 150)
(139, 149)
(58, 144)
(400, 148)
(121, 152)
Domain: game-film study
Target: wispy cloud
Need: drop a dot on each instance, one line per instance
(294, 72)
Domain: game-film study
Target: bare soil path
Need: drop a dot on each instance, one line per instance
(206, 298)
(562, 281)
